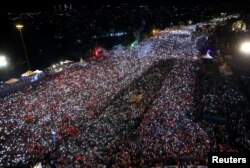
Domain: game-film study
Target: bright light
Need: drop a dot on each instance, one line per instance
(19, 26)
(3, 61)
(54, 66)
(61, 63)
(245, 47)
(154, 31)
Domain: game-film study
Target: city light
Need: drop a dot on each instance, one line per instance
(245, 47)
(19, 26)
(153, 31)
(3, 61)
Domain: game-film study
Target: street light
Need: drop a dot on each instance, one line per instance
(3, 61)
(245, 47)
(19, 27)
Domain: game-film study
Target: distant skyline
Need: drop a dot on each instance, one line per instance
(27, 5)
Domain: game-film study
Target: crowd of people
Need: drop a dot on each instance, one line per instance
(219, 100)
(82, 116)
(77, 94)
(167, 134)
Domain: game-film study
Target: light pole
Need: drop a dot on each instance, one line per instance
(19, 27)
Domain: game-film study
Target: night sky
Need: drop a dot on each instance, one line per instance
(25, 5)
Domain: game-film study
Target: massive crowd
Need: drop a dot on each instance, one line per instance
(218, 99)
(82, 116)
(166, 132)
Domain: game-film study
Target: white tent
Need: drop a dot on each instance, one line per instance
(28, 73)
(11, 81)
(58, 70)
(38, 165)
(67, 61)
(83, 63)
(38, 71)
(207, 56)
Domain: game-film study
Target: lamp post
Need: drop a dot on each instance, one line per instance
(19, 27)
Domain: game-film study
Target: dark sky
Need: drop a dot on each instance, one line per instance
(28, 5)
(35, 5)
